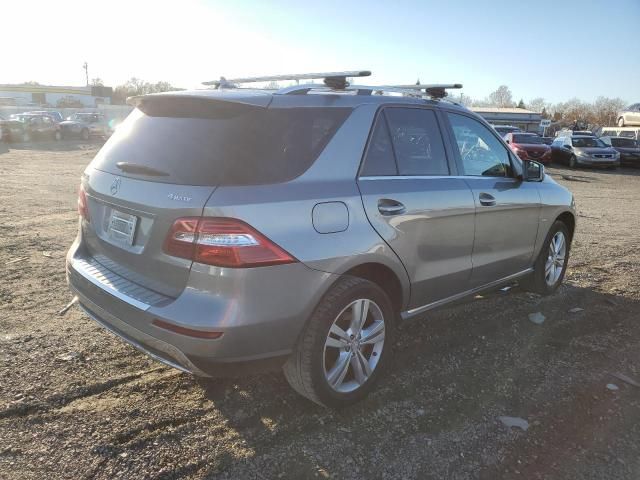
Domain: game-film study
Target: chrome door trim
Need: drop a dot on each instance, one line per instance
(430, 306)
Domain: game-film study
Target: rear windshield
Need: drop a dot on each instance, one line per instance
(528, 139)
(195, 142)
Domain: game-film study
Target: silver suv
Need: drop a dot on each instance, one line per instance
(225, 230)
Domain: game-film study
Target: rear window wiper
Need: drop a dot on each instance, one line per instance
(141, 169)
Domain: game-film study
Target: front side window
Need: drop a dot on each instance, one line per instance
(481, 152)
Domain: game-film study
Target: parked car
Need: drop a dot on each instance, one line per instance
(504, 129)
(629, 116)
(529, 146)
(57, 116)
(85, 125)
(226, 227)
(628, 148)
(35, 126)
(582, 133)
(626, 132)
(12, 131)
(584, 151)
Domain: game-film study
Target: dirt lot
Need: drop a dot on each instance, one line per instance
(77, 403)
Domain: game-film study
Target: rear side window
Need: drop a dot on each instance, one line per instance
(380, 160)
(417, 141)
(195, 142)
(406, 141)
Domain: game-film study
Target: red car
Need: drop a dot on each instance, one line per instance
(529, 146)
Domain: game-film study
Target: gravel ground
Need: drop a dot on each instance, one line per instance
(77, 403)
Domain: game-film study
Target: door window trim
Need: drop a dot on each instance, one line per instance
(442, 127)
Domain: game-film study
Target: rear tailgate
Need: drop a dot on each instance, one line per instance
(129, 221)
(163, 163)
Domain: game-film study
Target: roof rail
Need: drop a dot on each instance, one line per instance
(435, 90)
(337, 80)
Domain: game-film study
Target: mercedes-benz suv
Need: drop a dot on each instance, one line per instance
(298, 227)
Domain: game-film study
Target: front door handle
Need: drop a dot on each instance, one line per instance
(387, 206)
(487, 199)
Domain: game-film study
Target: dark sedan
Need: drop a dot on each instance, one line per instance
(629, 150)
(12, 131)
(36, 126)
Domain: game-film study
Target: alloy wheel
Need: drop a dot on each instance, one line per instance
(353, 346)
(555, 258)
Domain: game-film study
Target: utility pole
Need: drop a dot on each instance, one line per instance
(86, 71)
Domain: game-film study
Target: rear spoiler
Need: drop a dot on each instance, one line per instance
(208, 97)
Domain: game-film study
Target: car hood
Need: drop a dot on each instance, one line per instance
(71, 122)
(533, 147)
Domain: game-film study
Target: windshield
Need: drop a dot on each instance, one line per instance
(528, 139)
(624, 142)
(225, 145)
(588, 142)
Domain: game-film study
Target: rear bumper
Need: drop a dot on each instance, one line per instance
(259, 311)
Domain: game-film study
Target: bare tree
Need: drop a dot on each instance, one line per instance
(97, 82)
(136, 86)
(604, 110)
(537, 104)
(501, 97)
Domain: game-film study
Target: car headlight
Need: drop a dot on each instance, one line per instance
(582, 153)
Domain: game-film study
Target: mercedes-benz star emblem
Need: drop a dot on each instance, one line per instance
(115, 186)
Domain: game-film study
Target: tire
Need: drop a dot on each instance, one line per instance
(313, 362)
(57, 136)
(621, 122)
(26, 137)
(84, 134)
(540, 281)
(572, 161)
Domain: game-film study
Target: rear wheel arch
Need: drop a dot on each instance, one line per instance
(385, 278)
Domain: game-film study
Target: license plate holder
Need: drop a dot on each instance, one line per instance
(122, 227)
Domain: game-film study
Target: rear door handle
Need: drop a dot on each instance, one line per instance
(487, 199)
(387, 206)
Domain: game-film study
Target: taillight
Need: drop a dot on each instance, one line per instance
(83, 207)
(224, 242)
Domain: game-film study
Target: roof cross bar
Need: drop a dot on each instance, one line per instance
(435, 90)
(337, 80)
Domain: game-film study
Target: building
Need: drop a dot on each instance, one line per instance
(54, 96)
(525, 120)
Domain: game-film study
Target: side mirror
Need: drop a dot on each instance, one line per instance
(533, 171)
(507, 140)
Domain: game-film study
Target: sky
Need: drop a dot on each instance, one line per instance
(556, 49)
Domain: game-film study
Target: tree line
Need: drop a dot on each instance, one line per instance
(601, 112)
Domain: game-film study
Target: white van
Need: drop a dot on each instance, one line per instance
(627, 132)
